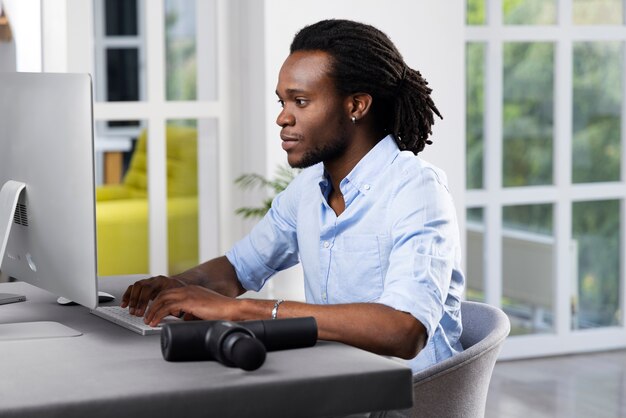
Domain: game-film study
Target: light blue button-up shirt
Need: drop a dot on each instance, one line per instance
(396, 243)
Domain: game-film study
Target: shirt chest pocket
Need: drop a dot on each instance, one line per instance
(356, 273)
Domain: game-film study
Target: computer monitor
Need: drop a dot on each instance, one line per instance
(47, 204)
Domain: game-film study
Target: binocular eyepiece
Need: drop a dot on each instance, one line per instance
(235, 344)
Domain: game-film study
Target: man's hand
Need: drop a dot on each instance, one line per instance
(194, 301)
(139, 294)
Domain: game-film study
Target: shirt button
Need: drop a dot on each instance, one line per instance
(326, 244)
(324, 296)
(366, 187)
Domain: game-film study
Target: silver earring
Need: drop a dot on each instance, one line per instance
(354, 120)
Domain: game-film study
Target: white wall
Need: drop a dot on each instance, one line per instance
(248, 114)
(25, 20)
(67, 28)
(430, 36)
(7, 56)
(7, 51)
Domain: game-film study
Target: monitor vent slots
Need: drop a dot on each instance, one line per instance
(20, 217)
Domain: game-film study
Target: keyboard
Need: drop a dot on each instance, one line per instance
(122, 317)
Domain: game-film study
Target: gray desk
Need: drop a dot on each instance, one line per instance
(112, 372)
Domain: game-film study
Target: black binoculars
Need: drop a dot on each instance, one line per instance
(235, 344)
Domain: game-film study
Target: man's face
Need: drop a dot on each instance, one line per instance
(314, 118)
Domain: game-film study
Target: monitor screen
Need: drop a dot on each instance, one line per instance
(47, 208)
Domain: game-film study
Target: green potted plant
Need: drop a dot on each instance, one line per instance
(280, 181)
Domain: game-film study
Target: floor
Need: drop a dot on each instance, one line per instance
(585, 386)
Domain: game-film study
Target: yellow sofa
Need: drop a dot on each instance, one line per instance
(122, 210)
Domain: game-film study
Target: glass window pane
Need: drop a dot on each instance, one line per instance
(122, 73)
(123, 123)
(475, 12)
(598, 12)
(121, 198)
(596, 228)
(191, 50)
(475, 275)
(475, 124)
(529, 12)
(182, 191)
(119, 51)
(121, 17)
(528, 254)
(528, 113)
(115, 141)
(597, 111)
(180, 49)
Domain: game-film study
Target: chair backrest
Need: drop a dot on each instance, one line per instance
(182, 163)
(458, 386)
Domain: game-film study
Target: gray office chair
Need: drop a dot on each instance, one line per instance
(457, 387)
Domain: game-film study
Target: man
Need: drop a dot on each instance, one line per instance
(373, 225)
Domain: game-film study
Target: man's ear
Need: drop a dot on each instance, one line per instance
(359, 105)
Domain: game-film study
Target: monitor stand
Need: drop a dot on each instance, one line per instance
(9, 197)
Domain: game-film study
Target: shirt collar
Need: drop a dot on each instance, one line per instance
(364, 174)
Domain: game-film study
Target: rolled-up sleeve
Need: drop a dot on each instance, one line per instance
(424, 251)
(271, 246)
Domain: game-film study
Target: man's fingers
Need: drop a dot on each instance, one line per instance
(141, 294)
(143, 299)
(138, 295)
(126, 296)
(166, 303)
(135, 290)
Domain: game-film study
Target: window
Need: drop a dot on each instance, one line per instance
(158, 113)
(545, 169)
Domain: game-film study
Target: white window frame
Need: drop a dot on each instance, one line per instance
(562, 194)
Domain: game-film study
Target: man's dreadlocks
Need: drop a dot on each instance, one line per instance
(365, 60)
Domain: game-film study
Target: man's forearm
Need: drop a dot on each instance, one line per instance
(216, 274)
(370, 326)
